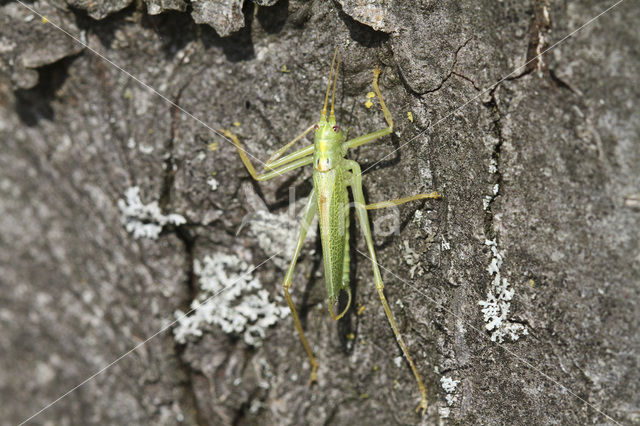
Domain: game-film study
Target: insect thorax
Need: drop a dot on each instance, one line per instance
(327, 146)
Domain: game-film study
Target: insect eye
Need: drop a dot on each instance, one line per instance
(316, 127)
(336, 128)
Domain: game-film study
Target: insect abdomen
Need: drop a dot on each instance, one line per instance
(332, 206)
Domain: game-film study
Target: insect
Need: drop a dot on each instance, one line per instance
(333, 173)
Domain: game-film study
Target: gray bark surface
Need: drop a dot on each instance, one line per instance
(545, 163)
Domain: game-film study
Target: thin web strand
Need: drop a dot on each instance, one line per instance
(535, 58)
(133, 77)
(144, 342)
(483, 334)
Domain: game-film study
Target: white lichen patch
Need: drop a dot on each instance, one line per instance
(493, 166)
(146, 149)
(412, 258)
(417, 217)
(449, 386)
(276, 233)
(398, 361)
(444, 412)
(489, 198)
(496, 308)
(144, 220)
(213, 183)
(486, 201)
(445, 244)
(230, 298)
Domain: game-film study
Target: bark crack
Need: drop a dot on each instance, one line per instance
(453, 67)
(451, 72)
(464, 77)
(494, 168)
(188, 240)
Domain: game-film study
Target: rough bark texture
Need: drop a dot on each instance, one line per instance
(546, 164)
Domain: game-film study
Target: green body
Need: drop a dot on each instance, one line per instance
(330, 180)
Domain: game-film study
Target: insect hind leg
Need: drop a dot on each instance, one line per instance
(363, 219)
(309, 214)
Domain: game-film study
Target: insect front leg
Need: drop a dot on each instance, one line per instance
(303, 158)
(309, 213)
(285, 148)
(370, 137)
(363, 218)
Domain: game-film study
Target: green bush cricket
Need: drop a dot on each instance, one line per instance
(333, 173)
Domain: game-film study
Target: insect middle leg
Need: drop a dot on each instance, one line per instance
(353, 143)
(398, 201)
(363, 218)
(309, 213)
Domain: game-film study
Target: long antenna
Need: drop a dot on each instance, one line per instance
(326, 98)
(335, 82)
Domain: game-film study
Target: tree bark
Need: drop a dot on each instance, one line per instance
(537, 158)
